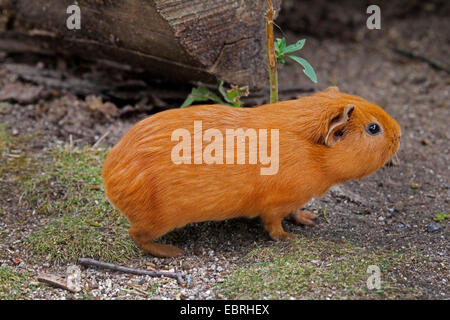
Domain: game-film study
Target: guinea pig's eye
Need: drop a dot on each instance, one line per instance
(338, 133)
(373, 129)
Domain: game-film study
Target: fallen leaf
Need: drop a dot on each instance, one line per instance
(108, 109)
(22, 93)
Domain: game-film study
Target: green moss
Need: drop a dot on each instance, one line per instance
(4, 107)
(13, 285)
(15, 163)
(439, 217)
(69, 238)
(68, 180)
(83, 223)
(311, 269)
(63, 184)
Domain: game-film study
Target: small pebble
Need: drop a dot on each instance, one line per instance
(415, 186)
(433, 227)
(186, 265)
(188, 279)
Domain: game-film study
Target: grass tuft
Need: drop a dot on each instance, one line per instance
(15, 163)
(311, 269)
(13, 284)
(63, 188)
(82, 222)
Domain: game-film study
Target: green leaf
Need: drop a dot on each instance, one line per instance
(280, 44)
(295, 47)
(235, 94)
(381, 292)
(189, 100)
(231, 96)
(224, 93)
(201, 94)
(308, 69)
(439, 217)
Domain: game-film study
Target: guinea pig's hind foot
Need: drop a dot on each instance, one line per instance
(162, 250)
(302, 217)
(143, 238)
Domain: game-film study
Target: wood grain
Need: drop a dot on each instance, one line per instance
(176, 39)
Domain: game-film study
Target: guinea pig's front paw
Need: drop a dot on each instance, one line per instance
(272, 223)
(283, 235)
(302, 218)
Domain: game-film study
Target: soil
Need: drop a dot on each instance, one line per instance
(394, 208)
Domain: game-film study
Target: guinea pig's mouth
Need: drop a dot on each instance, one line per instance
(393, 152)
(395, 160)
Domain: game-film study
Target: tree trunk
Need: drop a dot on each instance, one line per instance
(181, 40)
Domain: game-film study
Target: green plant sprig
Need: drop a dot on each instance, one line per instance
(231, 97)
(282, 51)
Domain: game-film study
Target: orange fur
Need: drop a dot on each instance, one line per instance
(157, 195)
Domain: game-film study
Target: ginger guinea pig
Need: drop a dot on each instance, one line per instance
(215, 162)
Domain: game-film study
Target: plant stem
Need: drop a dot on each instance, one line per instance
(273, 76)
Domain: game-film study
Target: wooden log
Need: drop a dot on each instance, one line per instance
(184, 40)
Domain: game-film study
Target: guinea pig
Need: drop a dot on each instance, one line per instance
(179, 166)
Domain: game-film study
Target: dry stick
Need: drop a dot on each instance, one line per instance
(273, 76)
(435, 64)
(110, 266)
(57, 282)
(101, 139)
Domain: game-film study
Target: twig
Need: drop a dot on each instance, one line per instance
(433, 63)
(57, 282)
(273, 76)
(110, 266)
(70, 143)
(135, 291)
(101, 139)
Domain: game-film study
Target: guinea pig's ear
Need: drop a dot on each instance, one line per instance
(337, 123)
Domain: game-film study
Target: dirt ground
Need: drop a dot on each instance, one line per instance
(402, 208)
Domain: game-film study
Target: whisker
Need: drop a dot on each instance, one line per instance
(397, 158)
